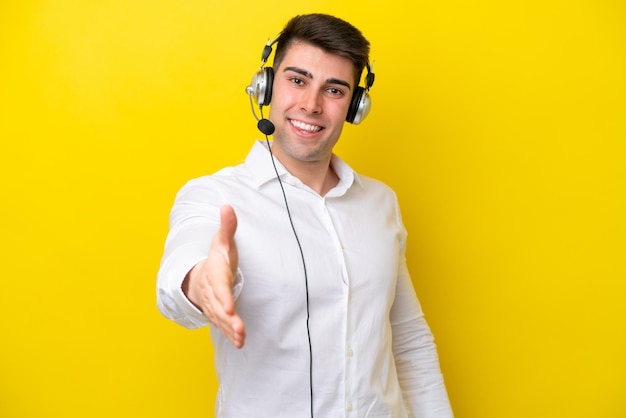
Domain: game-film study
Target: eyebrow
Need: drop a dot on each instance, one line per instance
(307, 74)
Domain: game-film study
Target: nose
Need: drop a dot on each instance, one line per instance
(311, 102)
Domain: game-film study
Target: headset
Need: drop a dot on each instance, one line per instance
(260, 90)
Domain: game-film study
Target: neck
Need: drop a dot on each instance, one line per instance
(318, 175)
(321, 180)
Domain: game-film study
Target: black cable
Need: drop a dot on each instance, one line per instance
(306, 279)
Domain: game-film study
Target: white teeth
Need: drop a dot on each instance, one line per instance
(305, 126)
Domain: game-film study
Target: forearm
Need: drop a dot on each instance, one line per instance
(419, 372)
(190, 273)
(416, 357)
(192, 224)
(171, 300)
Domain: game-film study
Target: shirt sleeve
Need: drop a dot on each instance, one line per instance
(415, 353)
(193, 222)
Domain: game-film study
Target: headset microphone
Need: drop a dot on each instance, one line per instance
(265, 126)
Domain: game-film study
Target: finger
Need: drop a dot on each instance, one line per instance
(225, 246)
(231, 325)
(239, 331)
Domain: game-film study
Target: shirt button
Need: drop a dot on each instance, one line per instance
(350, 352)
(349, 407)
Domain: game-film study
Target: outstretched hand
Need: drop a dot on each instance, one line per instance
(209, 283)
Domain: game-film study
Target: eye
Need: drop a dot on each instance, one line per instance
(335, 91)
(297, 81)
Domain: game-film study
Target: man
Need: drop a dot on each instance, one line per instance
(298, 263)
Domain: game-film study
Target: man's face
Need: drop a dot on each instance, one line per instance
(310, 99)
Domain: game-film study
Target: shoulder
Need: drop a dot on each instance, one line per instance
(375, 187)
(225, 180)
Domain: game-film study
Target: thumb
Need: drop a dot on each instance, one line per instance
(228, 224)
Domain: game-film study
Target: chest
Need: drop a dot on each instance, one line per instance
(345, 245)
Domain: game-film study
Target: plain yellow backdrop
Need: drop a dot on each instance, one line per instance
(501, 125)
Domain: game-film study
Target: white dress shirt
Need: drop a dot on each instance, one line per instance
(373, 353)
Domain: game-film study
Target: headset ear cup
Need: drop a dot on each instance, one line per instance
(260, 89)
(365, 104)
(354, 104)
(268, 74)
(359, 106)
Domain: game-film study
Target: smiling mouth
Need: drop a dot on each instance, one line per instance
(305, 127)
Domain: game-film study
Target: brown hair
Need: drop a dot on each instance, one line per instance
(331, 34)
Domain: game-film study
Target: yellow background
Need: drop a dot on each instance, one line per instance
(500, 124)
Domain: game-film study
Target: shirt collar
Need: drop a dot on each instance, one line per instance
(260, 165)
